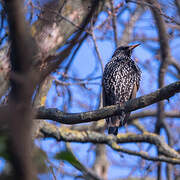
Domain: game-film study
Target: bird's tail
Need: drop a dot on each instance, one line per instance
(115, 122)
(113, 130)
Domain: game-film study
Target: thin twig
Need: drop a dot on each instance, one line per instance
(114, 20)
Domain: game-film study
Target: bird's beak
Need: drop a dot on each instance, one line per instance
(133, 46)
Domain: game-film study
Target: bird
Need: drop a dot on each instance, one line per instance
(120, 82)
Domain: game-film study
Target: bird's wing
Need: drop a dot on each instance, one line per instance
(108, 95)
(133, 95)
(125, 89)
(135, 89)
(107, 98)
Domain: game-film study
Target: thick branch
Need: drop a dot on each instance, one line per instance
(67, 135)
(145, 155)
(132, 105)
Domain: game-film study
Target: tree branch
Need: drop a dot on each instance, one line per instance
(132, 105)
(67, 135)
(149, 113)
(114, 25)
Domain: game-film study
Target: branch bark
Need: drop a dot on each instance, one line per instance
(23, 51)
(67, 135)
(144, 114)
(132, 105)
(114, 23)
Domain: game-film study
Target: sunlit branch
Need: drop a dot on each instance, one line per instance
(67, 135)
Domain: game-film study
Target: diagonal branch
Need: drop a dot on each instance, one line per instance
(132, 105)
(144, 155)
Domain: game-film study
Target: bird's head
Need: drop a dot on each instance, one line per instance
(124, 50)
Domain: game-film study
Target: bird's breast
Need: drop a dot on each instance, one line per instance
(117, 71)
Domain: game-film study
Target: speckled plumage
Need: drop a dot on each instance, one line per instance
(121, 80)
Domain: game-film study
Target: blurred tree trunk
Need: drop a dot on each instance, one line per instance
(58, 20)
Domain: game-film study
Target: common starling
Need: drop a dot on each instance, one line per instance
(120, 82)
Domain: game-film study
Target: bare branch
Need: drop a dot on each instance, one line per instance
(128, 29)
(132, 105)
(67, 135)
(175, 64)
(149, 113)
(114, 25)
(96, 49)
